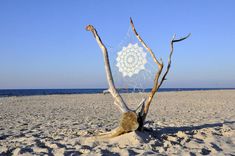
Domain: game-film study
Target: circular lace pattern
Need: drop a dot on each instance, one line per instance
(131, 60)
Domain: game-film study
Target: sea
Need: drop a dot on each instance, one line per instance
(31, 92)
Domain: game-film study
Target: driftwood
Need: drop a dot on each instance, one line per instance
(144, 111)
(130, 119)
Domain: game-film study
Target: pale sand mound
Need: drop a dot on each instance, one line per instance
(182, 123)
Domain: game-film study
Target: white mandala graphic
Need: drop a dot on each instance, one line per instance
(131, 60)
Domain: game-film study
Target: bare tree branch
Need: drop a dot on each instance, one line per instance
(129, 120)
(181, 39)
(157, 83)
(169, 58)
(153, 91)
(144, 44)
(160, 66)
(141, 103)
(117, 98)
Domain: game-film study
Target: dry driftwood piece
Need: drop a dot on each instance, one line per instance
(129, 120)
(157, 84)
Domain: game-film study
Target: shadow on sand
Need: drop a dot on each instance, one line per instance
(160, 132)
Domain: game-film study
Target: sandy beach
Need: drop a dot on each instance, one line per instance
(179, 123)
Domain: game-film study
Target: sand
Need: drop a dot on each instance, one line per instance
(179, 123)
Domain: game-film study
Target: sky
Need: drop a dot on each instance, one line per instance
(44, 44)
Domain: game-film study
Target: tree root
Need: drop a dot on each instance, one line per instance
(128, 123)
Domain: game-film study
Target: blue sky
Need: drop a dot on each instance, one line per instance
(43, 44)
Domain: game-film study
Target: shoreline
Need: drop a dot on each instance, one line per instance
(101, 91)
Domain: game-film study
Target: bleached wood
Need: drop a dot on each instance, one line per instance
(158, 84)
(169, 58)
(144, 44)
(145, 107)
(117, 98)
(140, 104)
(129, 121)
(160, 67)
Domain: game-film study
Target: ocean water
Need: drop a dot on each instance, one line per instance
(30, 92)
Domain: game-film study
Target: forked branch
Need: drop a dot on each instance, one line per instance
(169, 58)
(129, 120)
(117, 98)
(160, 67)
(157, 83)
